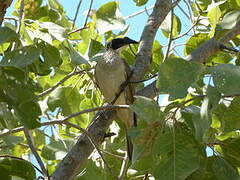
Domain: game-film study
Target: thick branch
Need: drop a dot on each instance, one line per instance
(4, 4)
(78, 155)
(160, 11)
(149, 91)
(212, 46)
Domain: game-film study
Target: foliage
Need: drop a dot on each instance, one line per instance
(170, 141)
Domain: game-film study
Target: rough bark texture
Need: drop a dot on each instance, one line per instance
(212, 46)
(77, 156)
(4, 4)
(160, 11)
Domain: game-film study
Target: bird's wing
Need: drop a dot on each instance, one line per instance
(130, 90)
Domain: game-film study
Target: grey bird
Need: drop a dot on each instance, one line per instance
(111, 72)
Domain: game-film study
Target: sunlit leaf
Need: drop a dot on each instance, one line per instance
(176, 76)
(140, 2)
(230, 19)
(109, 18)
(56, 31)
(20, 58)
(166, 26)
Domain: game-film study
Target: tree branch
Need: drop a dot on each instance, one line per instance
(160, 11)
(212, 46)
(36, 155)
(76, 13)
(74, 72)
(4, 4)
(63, 121)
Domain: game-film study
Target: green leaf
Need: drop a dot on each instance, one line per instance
(230, 19)
(67, 98)
(28, 113)
(93, 171)
(94, 48)
(128, 54)
(176, 76)
(17, 167)
(166, 26)
(20, 58)
(56, 150)
(50, 54)
(229, 116)
(75, 56)
(214, 96)
(7, 119)
(12, 141)
(194, 42)
(143, 142)
(140, 2)
(191, 115)
(157, 57)
(214, 15)
(56, 5)
(220, 169)
(109, 18)
(225, 77)
(231, 150)
(147, 109)
(56, 31)
(178, 157)
(220, 57)
(8, 35)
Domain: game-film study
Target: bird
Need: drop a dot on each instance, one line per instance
(111, 73)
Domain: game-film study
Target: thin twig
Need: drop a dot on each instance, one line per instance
(74, 72)
(170, 37)
(183, 34)
(76, 14)
(76, 30)
(114, 155)
(21, 15)
(94, 145)
(182, 10)
(138, 12)
(124, 167)
(146, 10)
(35, 153)
(153, 76)
(85, 23)
(89, 10)
(62, 121)
(189, 9)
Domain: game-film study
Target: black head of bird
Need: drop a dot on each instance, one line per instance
(120, 42)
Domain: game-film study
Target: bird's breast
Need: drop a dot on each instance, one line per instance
(110, 74)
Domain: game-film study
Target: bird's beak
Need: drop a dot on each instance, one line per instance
(128, 41)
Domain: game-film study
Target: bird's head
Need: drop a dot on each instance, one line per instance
(117, 43)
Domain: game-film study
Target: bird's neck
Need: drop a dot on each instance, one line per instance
(111, 55)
